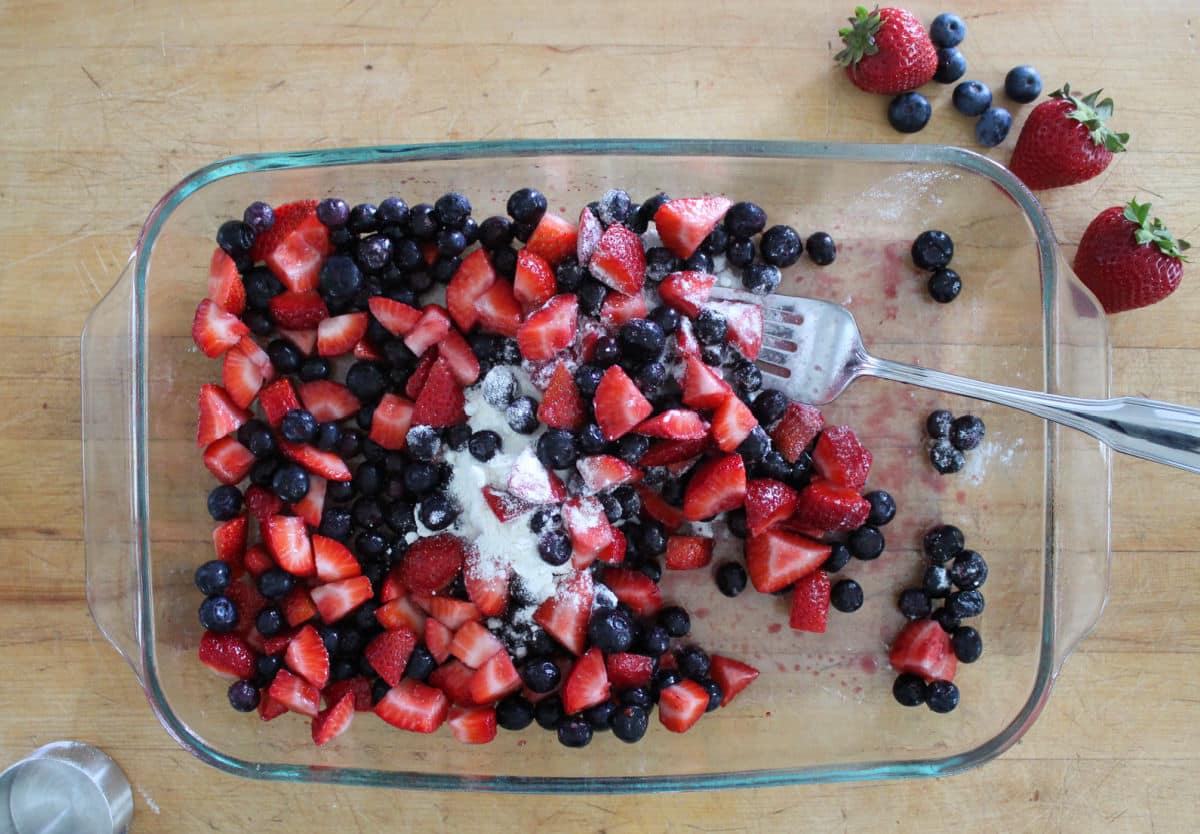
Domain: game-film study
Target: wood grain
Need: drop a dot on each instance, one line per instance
(107, 103)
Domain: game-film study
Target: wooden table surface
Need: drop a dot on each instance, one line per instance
(106, 104)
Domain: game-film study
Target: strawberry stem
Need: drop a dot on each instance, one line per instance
(859, 36)
(1154, 231)
(1094, 115)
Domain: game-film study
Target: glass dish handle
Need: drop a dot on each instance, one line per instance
(109, 466)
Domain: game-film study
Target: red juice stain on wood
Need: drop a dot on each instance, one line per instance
(869, 665)
(701, 613)
(960, 497)
(774, 628)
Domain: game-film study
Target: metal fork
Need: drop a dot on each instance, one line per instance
(814, 348)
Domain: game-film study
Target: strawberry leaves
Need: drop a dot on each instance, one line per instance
(1154, 231)
(859, 36)
(1094, 115)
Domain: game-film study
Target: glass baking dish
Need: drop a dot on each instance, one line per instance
(1034, 499)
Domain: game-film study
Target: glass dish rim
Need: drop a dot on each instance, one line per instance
(381, 154)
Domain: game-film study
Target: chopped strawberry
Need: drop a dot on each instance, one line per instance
(681, 706)
(666, 452)
(438, 639)
(840, 458)
(732, 423)
(688, 552)
(429, 329)
(451, 612)
(227, 654)
(733, 675)
(228, 460)
(247, 600)
(214, 330)
(388, 654)
(257, 560)
(549, 329)
(923, 648)
(600, 472)
(531, 481)
(464, 364)
(487, 584)
(335, 600)
(614, 553)
(229, 540)
(413, 706)
(287, 538)
(505, 505)
(298, 310)
(561, 406)
(683, 224)
(588, 237)
(768, 502)
(496, 678)
(687, 292)
(454, 678)
(305, 339)
(328, 400)
(295, 693)
(718, 485)
(241, 375)
(533, 283)
(401, 612)
(268, 708)
(219, 415)
(618, 309)
(657, 508)
(777, 558)
(629, 671)
(745, 326)
(225, 285)
(367, 351)
(416, 382)
(391, 421)
(312, 506)
(473, 277)
(686, 343)
(796, 429)
(702, 387)
(326, 464)
(589, 528)
(277, 399)
(298, 606)
(295, 245)
(339, 334)
(358, 687)
(810, 602)
(429, 252)
(498, 309)
(553, 239)
(440, 402)
(278, 643)
(587, 684)
(432, 562)
(473, 644)
(618, 404)
(473, 725)
(619, 260)
(831, 508)
(306, 656)
(565, 615)
(635, 589)
(675, 424)
(397, 317)
(262, 503)
(332, 722)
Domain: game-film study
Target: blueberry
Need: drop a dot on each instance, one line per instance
(714, 355)
(366, 381)
(224, 502)
(769, 406)
(514, 713)
(591, 440)
(936, 582)
(259, 216)
(629, 723)
(548, 712)
(693, 662)
(333, 212)
(993, 127)
(945, 458)
(495, 232)
(587, 379)
(335, 523)
(298, 426)
(964, 604)
(420, 478)
(780, 246)
(369, 478)
(731, 578)
(631, 502)
(846, 595)
(839, 557)
(611, 630)
(968, 645)
(290, 482)
(711, 327)
(946, 619)
(648, 209)
(521, 415)
(508, 352)
(744, 220)
(972, 98)
(944, 286)
(952, 64)
(969, 571)
(660, 262)
(947, 29)
(641, 339)
(652, 569)
(267, 666)
(600, 715)
(716, 242)
(821, 248)
(243, 696)
(235, 238)
(423, 442)
(652, 539)
(966, 432)
(606, 351)
(574, 732)
(761, 279)
(263, 471)
(437, 512)
(736, 520)
(406, 255)
(523, 231)
(650, 378)
(631, 447)
(554, 547)
(739, 252)
(915, 604)
(212, 577)
(483, 445)
(401, 517)
(756, 445)
(614, 207)
(1023, 84)
(314, 368)
(637, 697)
(217, 613)
(444, 267)
(260, 323)
(663, 679)
(452, 210)
(362, 219)
(540, 674)
(942, 696)
(285, 356)
(613, 510)
(909, 690)
(653, 641)
(937, 424)
(943, 543)
(422, 222)
(261, 286)
(883, 507)
(569, 275)
(451, 242)
(909, 112)
(374, 253)
(591, 296)
(392, 211)
(526, 205)
(675, 620)
(276, 583)
(700, 261)
(866, 542)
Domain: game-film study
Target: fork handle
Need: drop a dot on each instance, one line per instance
(1158, 431)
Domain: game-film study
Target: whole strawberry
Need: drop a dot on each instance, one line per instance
(1065, 141)
(1129, 260)
(887, 51)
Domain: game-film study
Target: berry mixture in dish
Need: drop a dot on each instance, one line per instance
(460, 461)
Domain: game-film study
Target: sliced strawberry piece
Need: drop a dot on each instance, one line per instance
(588, 235)
(923, 648)
(298, 310)
(473, 644)
(298, 259)
(228, 460)
(618, 309)
(496, 678)
(440, 402)
(332, 722)
(565, 615)
(561, 406)
(533, 283)
(429, 329)
(733, 675)
(287, 217)
(618, 404)
(298, 606)
(614, 553)
(498, 309)
(702, 387)
(335, 600)
(681, 468)
(421, 373)
(831, 508)
(454, 678)
(312, 506)
(392, 587)
(629, 671)
(464, 364)
(366, 351)
(687, 292)
(429, 252)
(392, 419)
(287, 539)
(357, 687)
(553, 239)
(214, 330)
(277, 399)
(388, 654)
(268, 708)
(473, 725)
(810, 602)
(655, 507)
(306, 656)
(397, 317)
(732, 423)
(531, 481)
(505, 505)
(413, 706)
(688, 552)
(589, 528)
(219, 415)
(328, 400)
(587, 685)
(438, 639)
(674, 424)
(450, 612)
(600, 472)
(326, 464)
(470, 281)
(549, 329)
(681, 706)
(686, 343)
(840, 458)
(487, 584)
(619, 260)
(683, 224)
(262, 503)
(745, 326)
(777, 558)
(717, 486)
(247, 600)
(227, 654)
(305, 339)
(667, 452)
(402, 612)
(225, 285)
(768, 502)
(295, 693)
(241, 375)
(635, 589)
(796, 429)
(339, 334)
(432, 562)
(258, 561)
